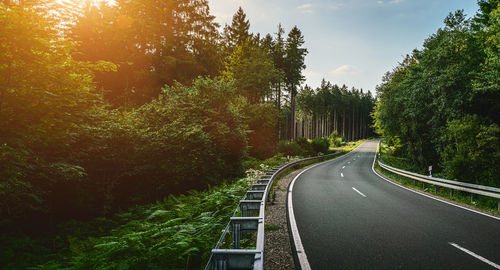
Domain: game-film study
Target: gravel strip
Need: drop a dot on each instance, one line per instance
(278, 252)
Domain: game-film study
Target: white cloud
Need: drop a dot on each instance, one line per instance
(335, 6)
(304, 6)
(345, 70)
(390, 2)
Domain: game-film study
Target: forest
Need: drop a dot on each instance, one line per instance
(107, 109)
(441, 105)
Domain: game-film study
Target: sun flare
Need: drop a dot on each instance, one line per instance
(83, 2)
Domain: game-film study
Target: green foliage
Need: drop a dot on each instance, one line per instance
(253, 71)
(153, 42)
(336, 140)
(320, 145)
(295, 56)
(44, 97)
(303, 147)
(330, 107)
(238, 32)
(441, 104)
(262, 120)
(189, 138)
(82, 137)
(289, 148)
(175, 233)
(257, 164)
(387, 154)
(472, 151)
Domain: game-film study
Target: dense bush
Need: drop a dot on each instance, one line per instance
(289, 148)
(262, 122)
(472, 151)
(336, 140)
(303, 147)
(320, 145)
(189, 138)
(45, 98)
(176, 233)
(253, 163)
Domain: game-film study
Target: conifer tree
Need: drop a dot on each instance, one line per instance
(294, 64)
(238, 31)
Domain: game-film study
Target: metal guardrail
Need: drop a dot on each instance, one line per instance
(452, 185)
(249, 217)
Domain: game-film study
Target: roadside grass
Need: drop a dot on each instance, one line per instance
(349, 146)
(480, 202)
(271, 227)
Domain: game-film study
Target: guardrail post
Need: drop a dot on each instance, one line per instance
(471, 197)
(436, 189)
(498, 205)
(451, 192)
(244, 208)
(220, 263)
(414, 182)
(236, 235)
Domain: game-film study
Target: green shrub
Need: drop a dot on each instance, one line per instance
(336, 140)
(289, 148)
(262, 120)
(305, 146)
(320, 145)
(471, 151)
(273, 161)
(176, 233)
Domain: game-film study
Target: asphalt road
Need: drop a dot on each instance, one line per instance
(349, 218)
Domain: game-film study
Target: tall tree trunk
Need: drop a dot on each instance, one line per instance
(343, 126)
(335, 126)
(353, 126)
(292, 120)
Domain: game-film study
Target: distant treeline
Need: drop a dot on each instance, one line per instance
(331, 108)
(441, 105)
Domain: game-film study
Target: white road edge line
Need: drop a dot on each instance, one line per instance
(342, 174)
(475, 255)
(299, 248)
(359, 192)
(423, 194)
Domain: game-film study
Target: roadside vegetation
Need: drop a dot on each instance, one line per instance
(127, 128)
(386, 151)
(441, 105)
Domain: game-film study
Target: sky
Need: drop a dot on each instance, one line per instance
(351, 42)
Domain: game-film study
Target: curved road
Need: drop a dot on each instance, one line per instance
(350, 218)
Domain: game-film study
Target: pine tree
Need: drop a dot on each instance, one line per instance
(294, 64)
(238, 31)
(279, 60)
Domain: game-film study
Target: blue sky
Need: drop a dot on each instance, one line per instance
(352, 42)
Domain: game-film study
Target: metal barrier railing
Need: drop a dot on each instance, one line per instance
(452, 185)
(244, 220)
